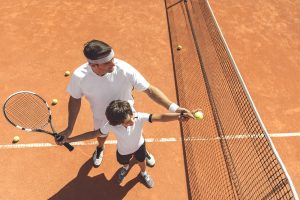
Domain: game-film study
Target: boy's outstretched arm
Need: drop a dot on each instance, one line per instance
(166, 117)
(86, 136)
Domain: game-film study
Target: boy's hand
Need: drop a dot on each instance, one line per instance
(66, 133)
(182, 116)
(185, 116)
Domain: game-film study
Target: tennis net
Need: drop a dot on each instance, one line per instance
(242, 162)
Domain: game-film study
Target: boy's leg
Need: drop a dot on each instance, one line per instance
(140, 156)
(98, 154)
(123, 160)
(142, 166)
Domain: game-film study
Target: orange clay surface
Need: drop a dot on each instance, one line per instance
(42, 39)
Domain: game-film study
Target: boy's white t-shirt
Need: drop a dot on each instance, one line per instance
(101, 90)
(129, 139)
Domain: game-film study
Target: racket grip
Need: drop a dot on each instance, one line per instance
(67, 145)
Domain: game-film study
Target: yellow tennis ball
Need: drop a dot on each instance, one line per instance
(199, 115)
(67, 73)
(16, 139)
(54, 101)
(179, 47)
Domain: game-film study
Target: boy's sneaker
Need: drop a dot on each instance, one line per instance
(150, 161)
(148, 180)
(97, 157)
(123, 172)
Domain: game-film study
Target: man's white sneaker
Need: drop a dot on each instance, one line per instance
(150, 160)
(97, 157)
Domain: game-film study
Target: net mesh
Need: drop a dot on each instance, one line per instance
(227, 155)
(27, 110)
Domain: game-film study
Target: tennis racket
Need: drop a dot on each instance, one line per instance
(30, 112)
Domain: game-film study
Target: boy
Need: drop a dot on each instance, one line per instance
(128, 127)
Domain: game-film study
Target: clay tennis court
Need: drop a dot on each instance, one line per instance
(40, 40)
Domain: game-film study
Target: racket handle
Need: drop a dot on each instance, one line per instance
(67, 145)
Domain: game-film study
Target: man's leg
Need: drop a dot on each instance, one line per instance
(98, 154)
(150, 160)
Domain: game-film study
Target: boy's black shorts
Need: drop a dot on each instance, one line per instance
(139, 155)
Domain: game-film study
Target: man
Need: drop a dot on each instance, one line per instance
(105, 78)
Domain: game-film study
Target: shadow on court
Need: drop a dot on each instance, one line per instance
(98, 187)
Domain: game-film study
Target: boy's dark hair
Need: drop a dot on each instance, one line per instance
(96, 49)
(117, 111)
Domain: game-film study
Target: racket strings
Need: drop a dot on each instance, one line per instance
(28, 120)
(27, 110)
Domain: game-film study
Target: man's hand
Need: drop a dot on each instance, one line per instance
(180, 109)
(186, 114)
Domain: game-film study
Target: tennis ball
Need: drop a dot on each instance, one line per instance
(67, 73)
(16, 139)
(199, 115)
(179, 47)
(54, 101)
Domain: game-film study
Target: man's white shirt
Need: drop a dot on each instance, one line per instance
(101, 90)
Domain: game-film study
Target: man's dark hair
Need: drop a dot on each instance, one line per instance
(117, 111)
(96, 49)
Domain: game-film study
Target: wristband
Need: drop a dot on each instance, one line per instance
(173, 107)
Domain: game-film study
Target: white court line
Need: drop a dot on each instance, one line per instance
(148, 140)
(284, 134)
